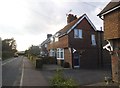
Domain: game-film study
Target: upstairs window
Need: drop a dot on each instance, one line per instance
(93, 39)
(77, 33)
(51, 40)
(45, 45)
(56, 39)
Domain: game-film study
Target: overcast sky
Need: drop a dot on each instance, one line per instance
(29, 21)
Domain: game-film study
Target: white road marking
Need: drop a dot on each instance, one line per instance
(21, 80)
(8, 61)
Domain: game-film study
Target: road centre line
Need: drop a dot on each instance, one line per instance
(8, 61)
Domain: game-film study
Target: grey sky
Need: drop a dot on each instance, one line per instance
(29, 21)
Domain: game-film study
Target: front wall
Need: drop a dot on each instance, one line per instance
(112, 25)
(89, 56)
(68, 57)
(89, 59)
(85, 42)
(63, 41)
(116, 60)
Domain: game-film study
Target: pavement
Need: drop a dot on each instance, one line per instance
(83, 77)
(40, 77)
(31, 76)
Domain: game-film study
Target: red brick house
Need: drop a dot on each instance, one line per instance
(43, 46)
(111, 17)
(76, 43)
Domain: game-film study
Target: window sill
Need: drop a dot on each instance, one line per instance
(60, 58)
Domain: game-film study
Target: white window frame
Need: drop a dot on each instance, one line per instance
(56, 39)
(59, 51)
(51, 40)
(52, 52)
(45, 45)
(78, 33)
(93, 40)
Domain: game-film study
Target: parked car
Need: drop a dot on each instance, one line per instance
(15, 55)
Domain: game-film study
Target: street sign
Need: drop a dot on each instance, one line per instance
(108, 47)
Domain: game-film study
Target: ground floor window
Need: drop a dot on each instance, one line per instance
(52, 52)
(60, 53)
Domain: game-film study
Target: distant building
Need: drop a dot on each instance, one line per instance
(44, 45)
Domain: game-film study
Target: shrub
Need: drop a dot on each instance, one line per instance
(39, 63)
(49, 60)
(58, 81)
(7, 55)
(66, 65)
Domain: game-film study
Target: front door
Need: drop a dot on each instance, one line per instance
(76, 60)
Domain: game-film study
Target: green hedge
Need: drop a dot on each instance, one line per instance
(49, 60)
(6, 55)
(39, 63)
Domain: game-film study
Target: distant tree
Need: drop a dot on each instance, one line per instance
(8, 48)
(34, 50)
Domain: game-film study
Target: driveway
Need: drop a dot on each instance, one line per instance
(81, 76)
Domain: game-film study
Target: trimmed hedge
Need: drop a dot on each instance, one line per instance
(39, 63)
(49, 60)
(7, 54)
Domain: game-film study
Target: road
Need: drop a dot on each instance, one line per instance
(0, 73)
(11, 71)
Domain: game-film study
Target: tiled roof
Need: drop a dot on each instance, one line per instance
(110, 6)
(68, 26)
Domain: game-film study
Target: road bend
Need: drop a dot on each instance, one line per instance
(11, 71)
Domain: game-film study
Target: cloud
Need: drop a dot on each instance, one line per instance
(29, 21)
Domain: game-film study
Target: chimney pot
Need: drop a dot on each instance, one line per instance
(71, 17)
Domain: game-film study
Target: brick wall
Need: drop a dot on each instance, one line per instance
(115, 57)
(62, 43)
(85, 42)
(68, 57)
(89, 57)
(112, 25)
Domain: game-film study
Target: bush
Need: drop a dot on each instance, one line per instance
(7, 55)
(39, 63)
(58, 81)
(66, 65)
(49, 60)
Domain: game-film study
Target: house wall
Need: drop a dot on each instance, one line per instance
(104, 55)
(62, 43)
(115, 58)
(68, 57)
(89, 53)
(85, 42)
(89, 59)
(44, 50)
(113, 18)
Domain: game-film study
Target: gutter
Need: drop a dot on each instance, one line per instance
(102, 14)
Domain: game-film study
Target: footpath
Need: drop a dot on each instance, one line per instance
(31, 76)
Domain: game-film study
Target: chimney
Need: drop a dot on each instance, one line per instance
(70, 18)
(49, 35)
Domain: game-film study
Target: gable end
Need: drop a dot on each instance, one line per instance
(85, 16)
